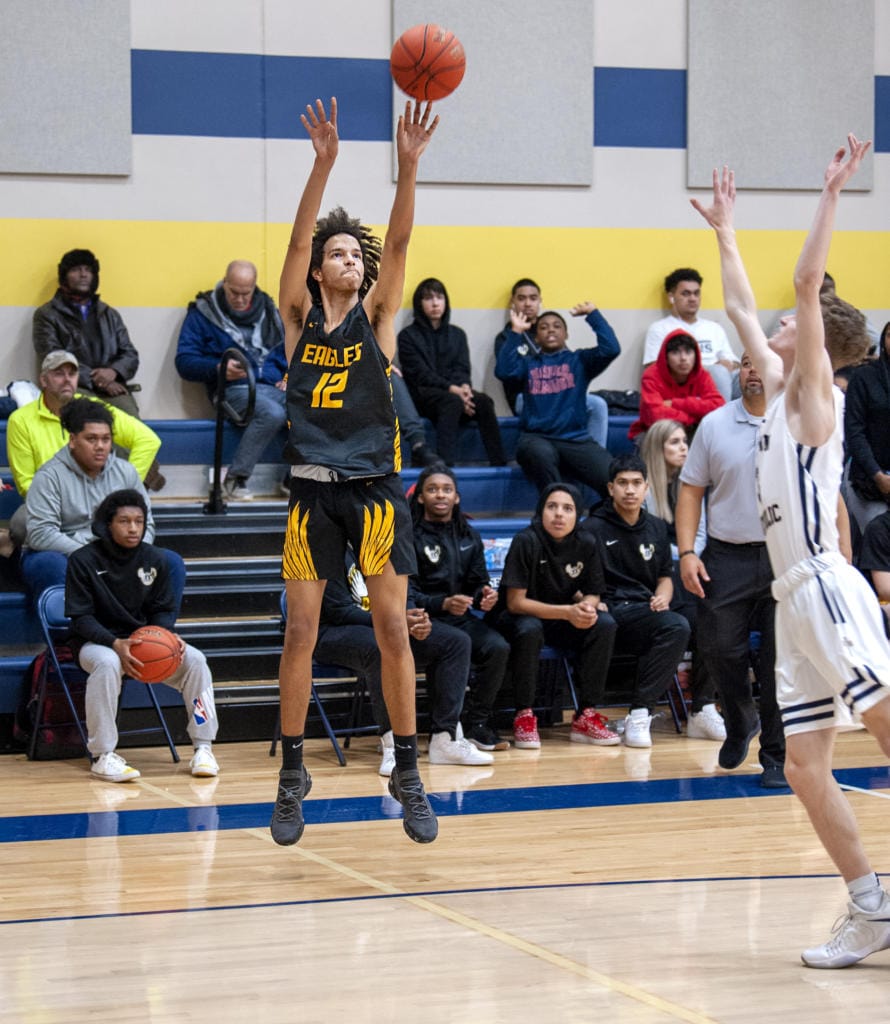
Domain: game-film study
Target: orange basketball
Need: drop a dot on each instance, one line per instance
(427, 62)
(158, 650)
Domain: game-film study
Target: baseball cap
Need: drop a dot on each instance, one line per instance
(59, 357)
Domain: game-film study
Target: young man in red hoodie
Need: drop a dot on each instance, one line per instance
(676, 386)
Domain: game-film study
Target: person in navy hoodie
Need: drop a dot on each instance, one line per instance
(554, 441)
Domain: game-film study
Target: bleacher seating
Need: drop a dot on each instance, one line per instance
(499, 499)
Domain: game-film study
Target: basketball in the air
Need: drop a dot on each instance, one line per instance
(158, 650)
(427, 62)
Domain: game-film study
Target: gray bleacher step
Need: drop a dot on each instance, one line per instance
(219, 586)
(246, 530)
(236, 648)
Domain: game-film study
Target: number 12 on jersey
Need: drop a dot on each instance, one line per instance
(325, 394)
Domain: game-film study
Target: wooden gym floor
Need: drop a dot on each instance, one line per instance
(572, 884)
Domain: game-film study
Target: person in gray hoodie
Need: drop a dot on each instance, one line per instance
(67, 490)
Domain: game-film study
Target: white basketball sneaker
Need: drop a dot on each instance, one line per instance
(856, 935)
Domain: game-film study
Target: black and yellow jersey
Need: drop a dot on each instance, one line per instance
(339, 400)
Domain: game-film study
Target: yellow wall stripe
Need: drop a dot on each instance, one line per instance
(163, 263)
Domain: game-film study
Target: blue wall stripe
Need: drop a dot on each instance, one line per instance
(181, 93)
(882, 114)
(222, 94)
(254, 96)
(639, 107)
(220, 817)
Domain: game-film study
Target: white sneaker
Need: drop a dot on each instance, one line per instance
(706, 724)
(855, 935)
(113, 768)
(388, 761)
(636, 728)
(203, 764)
(445, 750)
(236, 489)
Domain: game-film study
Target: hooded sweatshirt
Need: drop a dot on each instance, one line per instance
(62, 499)
(866, 419)
(551, 570)
(690, 401)
(634, 557)
(432, 359)
(111, 590)
(450, 560)
(554, 384)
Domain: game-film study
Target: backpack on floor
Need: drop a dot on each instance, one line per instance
(61, 738)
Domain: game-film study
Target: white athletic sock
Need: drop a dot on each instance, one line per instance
(866, 892)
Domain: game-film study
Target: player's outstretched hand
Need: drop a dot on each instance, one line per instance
(838, 173)
(719, 214)
(322, 129)
(415, 130)
(582, 308)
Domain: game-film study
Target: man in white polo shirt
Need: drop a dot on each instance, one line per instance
(733, 575)
(683, 288)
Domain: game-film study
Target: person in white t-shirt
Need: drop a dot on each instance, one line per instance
(683, 288)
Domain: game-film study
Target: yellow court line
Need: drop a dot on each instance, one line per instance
(150, 787)
(564, 963)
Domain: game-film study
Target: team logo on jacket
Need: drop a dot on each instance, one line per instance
(433, 553)
(147, 576)
(647, 551)
(522, 349)
(574, 571)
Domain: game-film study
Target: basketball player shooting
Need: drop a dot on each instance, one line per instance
(339, 294)
(832, 658)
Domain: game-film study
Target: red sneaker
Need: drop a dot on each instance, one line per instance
(525, 731)
(591, 727)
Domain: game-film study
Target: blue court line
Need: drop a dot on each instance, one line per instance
(428, 894)
(223, 817)
(245, 95)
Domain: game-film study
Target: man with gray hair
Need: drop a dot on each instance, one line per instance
(236, 314)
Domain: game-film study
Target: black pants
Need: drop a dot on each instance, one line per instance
(444, 656)
(737, 601)
(446, 411)
(658, 639)
(592, 648)
(490, 653)
(550, 460)
(702, 686)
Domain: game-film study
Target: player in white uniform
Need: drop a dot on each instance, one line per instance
(832, 660)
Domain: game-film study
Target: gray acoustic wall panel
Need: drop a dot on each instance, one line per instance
(523, 114)
(65, 87)
(775, 85)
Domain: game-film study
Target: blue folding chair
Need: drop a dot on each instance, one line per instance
(56, 627)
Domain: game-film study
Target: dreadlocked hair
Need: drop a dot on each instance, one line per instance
(338, 222)
(457, 516)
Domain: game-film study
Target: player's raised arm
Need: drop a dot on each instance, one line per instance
(293, 295)
(413, 133)
(738, 296)
(810, 359)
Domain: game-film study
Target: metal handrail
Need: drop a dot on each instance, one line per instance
(215, 504)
